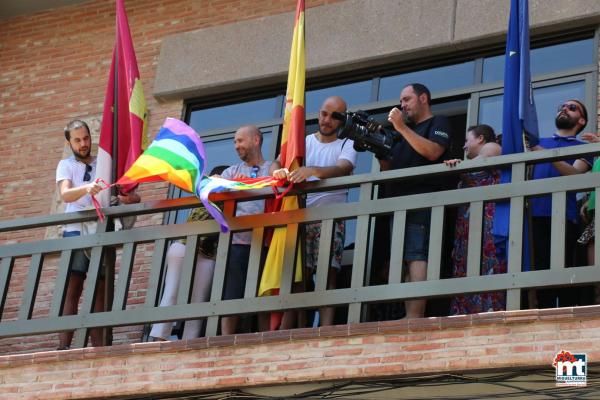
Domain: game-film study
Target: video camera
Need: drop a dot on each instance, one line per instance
(366, 133)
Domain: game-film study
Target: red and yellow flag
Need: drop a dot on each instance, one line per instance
(130, 108)
(292, 152)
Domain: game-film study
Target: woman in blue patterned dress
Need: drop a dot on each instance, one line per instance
(480, 143)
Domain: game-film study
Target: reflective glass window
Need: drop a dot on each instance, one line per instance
(249, 112)
(353, 93)
(545, 59)
(436, 79)
(546, 100)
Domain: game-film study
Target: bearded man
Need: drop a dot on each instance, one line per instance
(571, 118)
(75, 177)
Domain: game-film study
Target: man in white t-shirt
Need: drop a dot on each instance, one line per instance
(75, 179)
(326, 157)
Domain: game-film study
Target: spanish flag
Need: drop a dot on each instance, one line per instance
(291, 155)
(125, 111)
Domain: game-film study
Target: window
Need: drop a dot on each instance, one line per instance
(545, 60)
(436, 80)
(559, 72)
(546, 100)
(234, 115)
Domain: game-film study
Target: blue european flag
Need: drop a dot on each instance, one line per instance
(518, 114)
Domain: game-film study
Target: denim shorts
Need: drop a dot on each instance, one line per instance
(80, 263)
(416, 235)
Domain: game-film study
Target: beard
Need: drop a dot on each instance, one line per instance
(408, 120)
(563, 121)
(79, 155)
(330, 133)
(327, 130)
(244, 155)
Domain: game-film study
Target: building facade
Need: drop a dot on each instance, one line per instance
(219, 64)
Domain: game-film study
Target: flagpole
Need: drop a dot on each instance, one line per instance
(115, 139)
(110, 255)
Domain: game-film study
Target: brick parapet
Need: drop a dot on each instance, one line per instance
(500, 340)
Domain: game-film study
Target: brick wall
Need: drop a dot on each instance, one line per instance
(490, 341)
(54, 67)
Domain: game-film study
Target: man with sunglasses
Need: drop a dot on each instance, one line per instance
(75, 178)
(571, 118)
(326, 157)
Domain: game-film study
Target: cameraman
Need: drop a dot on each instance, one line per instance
(424, 140)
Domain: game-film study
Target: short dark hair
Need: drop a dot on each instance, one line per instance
(75, 124)
(218, 170)
(419, 89)
(483, 130)
(584, 112)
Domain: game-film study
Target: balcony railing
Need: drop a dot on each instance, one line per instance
(356, 296)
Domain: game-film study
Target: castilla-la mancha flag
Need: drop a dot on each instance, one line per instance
(291, 155)
(132, 113)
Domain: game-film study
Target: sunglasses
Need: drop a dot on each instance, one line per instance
(254, 172)
(87, 176)
(571, 107)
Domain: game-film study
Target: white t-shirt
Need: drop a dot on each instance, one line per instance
(74, 171)
(247, 207)
(320, 154)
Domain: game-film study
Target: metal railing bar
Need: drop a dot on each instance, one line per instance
(557, 231)
(368, 294)
(218, 280)
(60, 287)
(436, 241)
(324, 257)
(156, 272)
(256, 248)
(31, 286)
(397, 248)
(6, 268)
(358, 266)
(89, 294)
(124, 278)
(339, 211)
(188, 270)
(289, 259)
(475, 236)
(326, 184)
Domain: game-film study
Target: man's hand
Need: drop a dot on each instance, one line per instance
(452, 163)
(281, 173)
(93, 188)
(583, 212)
(590, 137)
(397, 119)
(129, 198)
(300, 175)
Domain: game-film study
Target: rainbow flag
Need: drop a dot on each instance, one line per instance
(210, 185)
(291, 156)
(177, 156)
